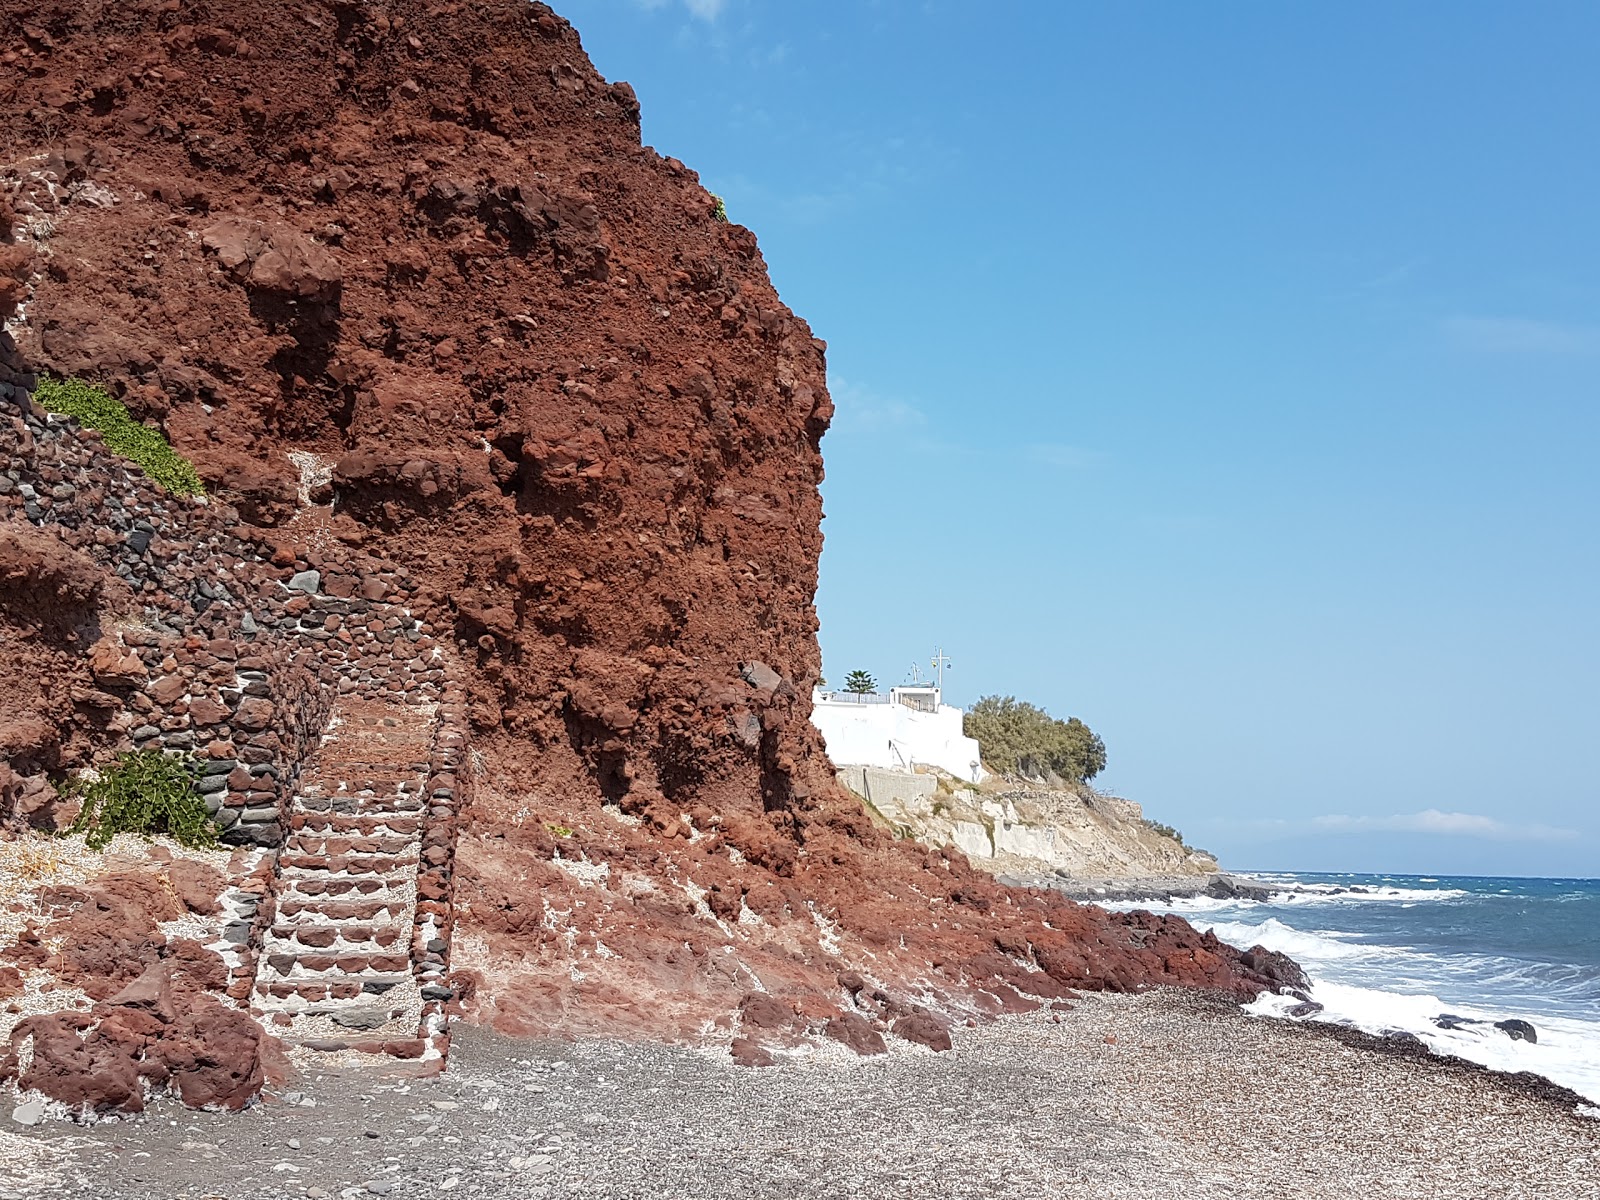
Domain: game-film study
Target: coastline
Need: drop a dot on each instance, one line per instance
(1169, 1093)
(1091, 889)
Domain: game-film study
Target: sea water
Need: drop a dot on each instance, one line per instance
(1393, 953)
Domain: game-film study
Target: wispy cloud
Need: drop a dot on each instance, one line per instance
(1447, 824)
(1522, 335)
(706, 10)
(859, 409)
(1393, 277)
(1063, 456)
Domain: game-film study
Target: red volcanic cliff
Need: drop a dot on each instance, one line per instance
(401, 277)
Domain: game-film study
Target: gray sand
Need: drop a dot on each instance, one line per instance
(1193, 1099)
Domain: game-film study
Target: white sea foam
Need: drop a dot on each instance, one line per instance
(1568, 1049)
(1567, 1052)
(1387, 989)
(1308, 894)
(1322, 893)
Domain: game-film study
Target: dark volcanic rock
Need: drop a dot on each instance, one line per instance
(1518, 1030)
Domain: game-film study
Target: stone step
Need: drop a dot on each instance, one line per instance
(347, 910)
(322, 990)
(378, 937)
(326, 774)
(356, 824)
(388, 1047)
(350, 864)
(336, 963)
(366, 887)
(301, 842)
(351, 804)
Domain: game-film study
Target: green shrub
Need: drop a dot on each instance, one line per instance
(1167, 831)
(93, 408)
(1022, 739)
(719, 211)
(145, 792)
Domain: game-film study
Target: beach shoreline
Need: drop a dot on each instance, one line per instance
(1168, 1093)
(1093, 889)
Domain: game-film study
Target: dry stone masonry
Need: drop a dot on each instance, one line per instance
(362, 897)
(322, 708)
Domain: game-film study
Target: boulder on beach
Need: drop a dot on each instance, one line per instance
(1518, 1030)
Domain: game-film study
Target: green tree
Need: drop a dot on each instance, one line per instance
(860, 682)
(1022, 739)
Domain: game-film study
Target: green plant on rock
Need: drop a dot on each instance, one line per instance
(719, 211)
(1022, 739)
(145, 792)
(93, 408)
(1166, 831)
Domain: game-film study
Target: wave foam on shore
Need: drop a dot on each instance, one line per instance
(1568, 1049)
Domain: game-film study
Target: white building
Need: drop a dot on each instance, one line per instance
(908, 727)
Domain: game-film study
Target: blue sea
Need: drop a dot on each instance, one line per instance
(1389, 953)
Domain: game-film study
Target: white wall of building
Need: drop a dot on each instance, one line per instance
(886, 731)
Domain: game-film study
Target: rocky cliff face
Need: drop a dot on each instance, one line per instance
(401, 280)
(424, 249)
(1073, 833)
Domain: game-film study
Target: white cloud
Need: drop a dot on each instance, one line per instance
(1520, 335)
(1059, 454)
(859, 409)
(706, 10)
(1448, 824)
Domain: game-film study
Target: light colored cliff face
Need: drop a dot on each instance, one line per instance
(1027, 832)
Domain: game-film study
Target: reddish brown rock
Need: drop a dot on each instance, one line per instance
(760, 1011)
(167, 689)
(856, 1031)
(748, 1053)
(923, 1028)
(568, 402)
(206, 712)
(99, 1062)
(114, 665)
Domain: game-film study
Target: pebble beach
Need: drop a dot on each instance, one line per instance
(1167, 1094)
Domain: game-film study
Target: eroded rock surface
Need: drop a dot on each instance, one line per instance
(410, 265)
(152, 1013)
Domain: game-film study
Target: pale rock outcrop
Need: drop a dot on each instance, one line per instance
(1074, 832)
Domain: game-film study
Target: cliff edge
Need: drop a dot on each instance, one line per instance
(502, 424)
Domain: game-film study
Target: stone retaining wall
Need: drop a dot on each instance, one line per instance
(234, 653)
(227, 653)
(449, 792)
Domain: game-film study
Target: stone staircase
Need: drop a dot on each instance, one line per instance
(347, 962)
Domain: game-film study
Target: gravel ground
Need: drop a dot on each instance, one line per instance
(1191, 1100)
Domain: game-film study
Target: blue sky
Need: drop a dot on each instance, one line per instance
(1228, 377)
